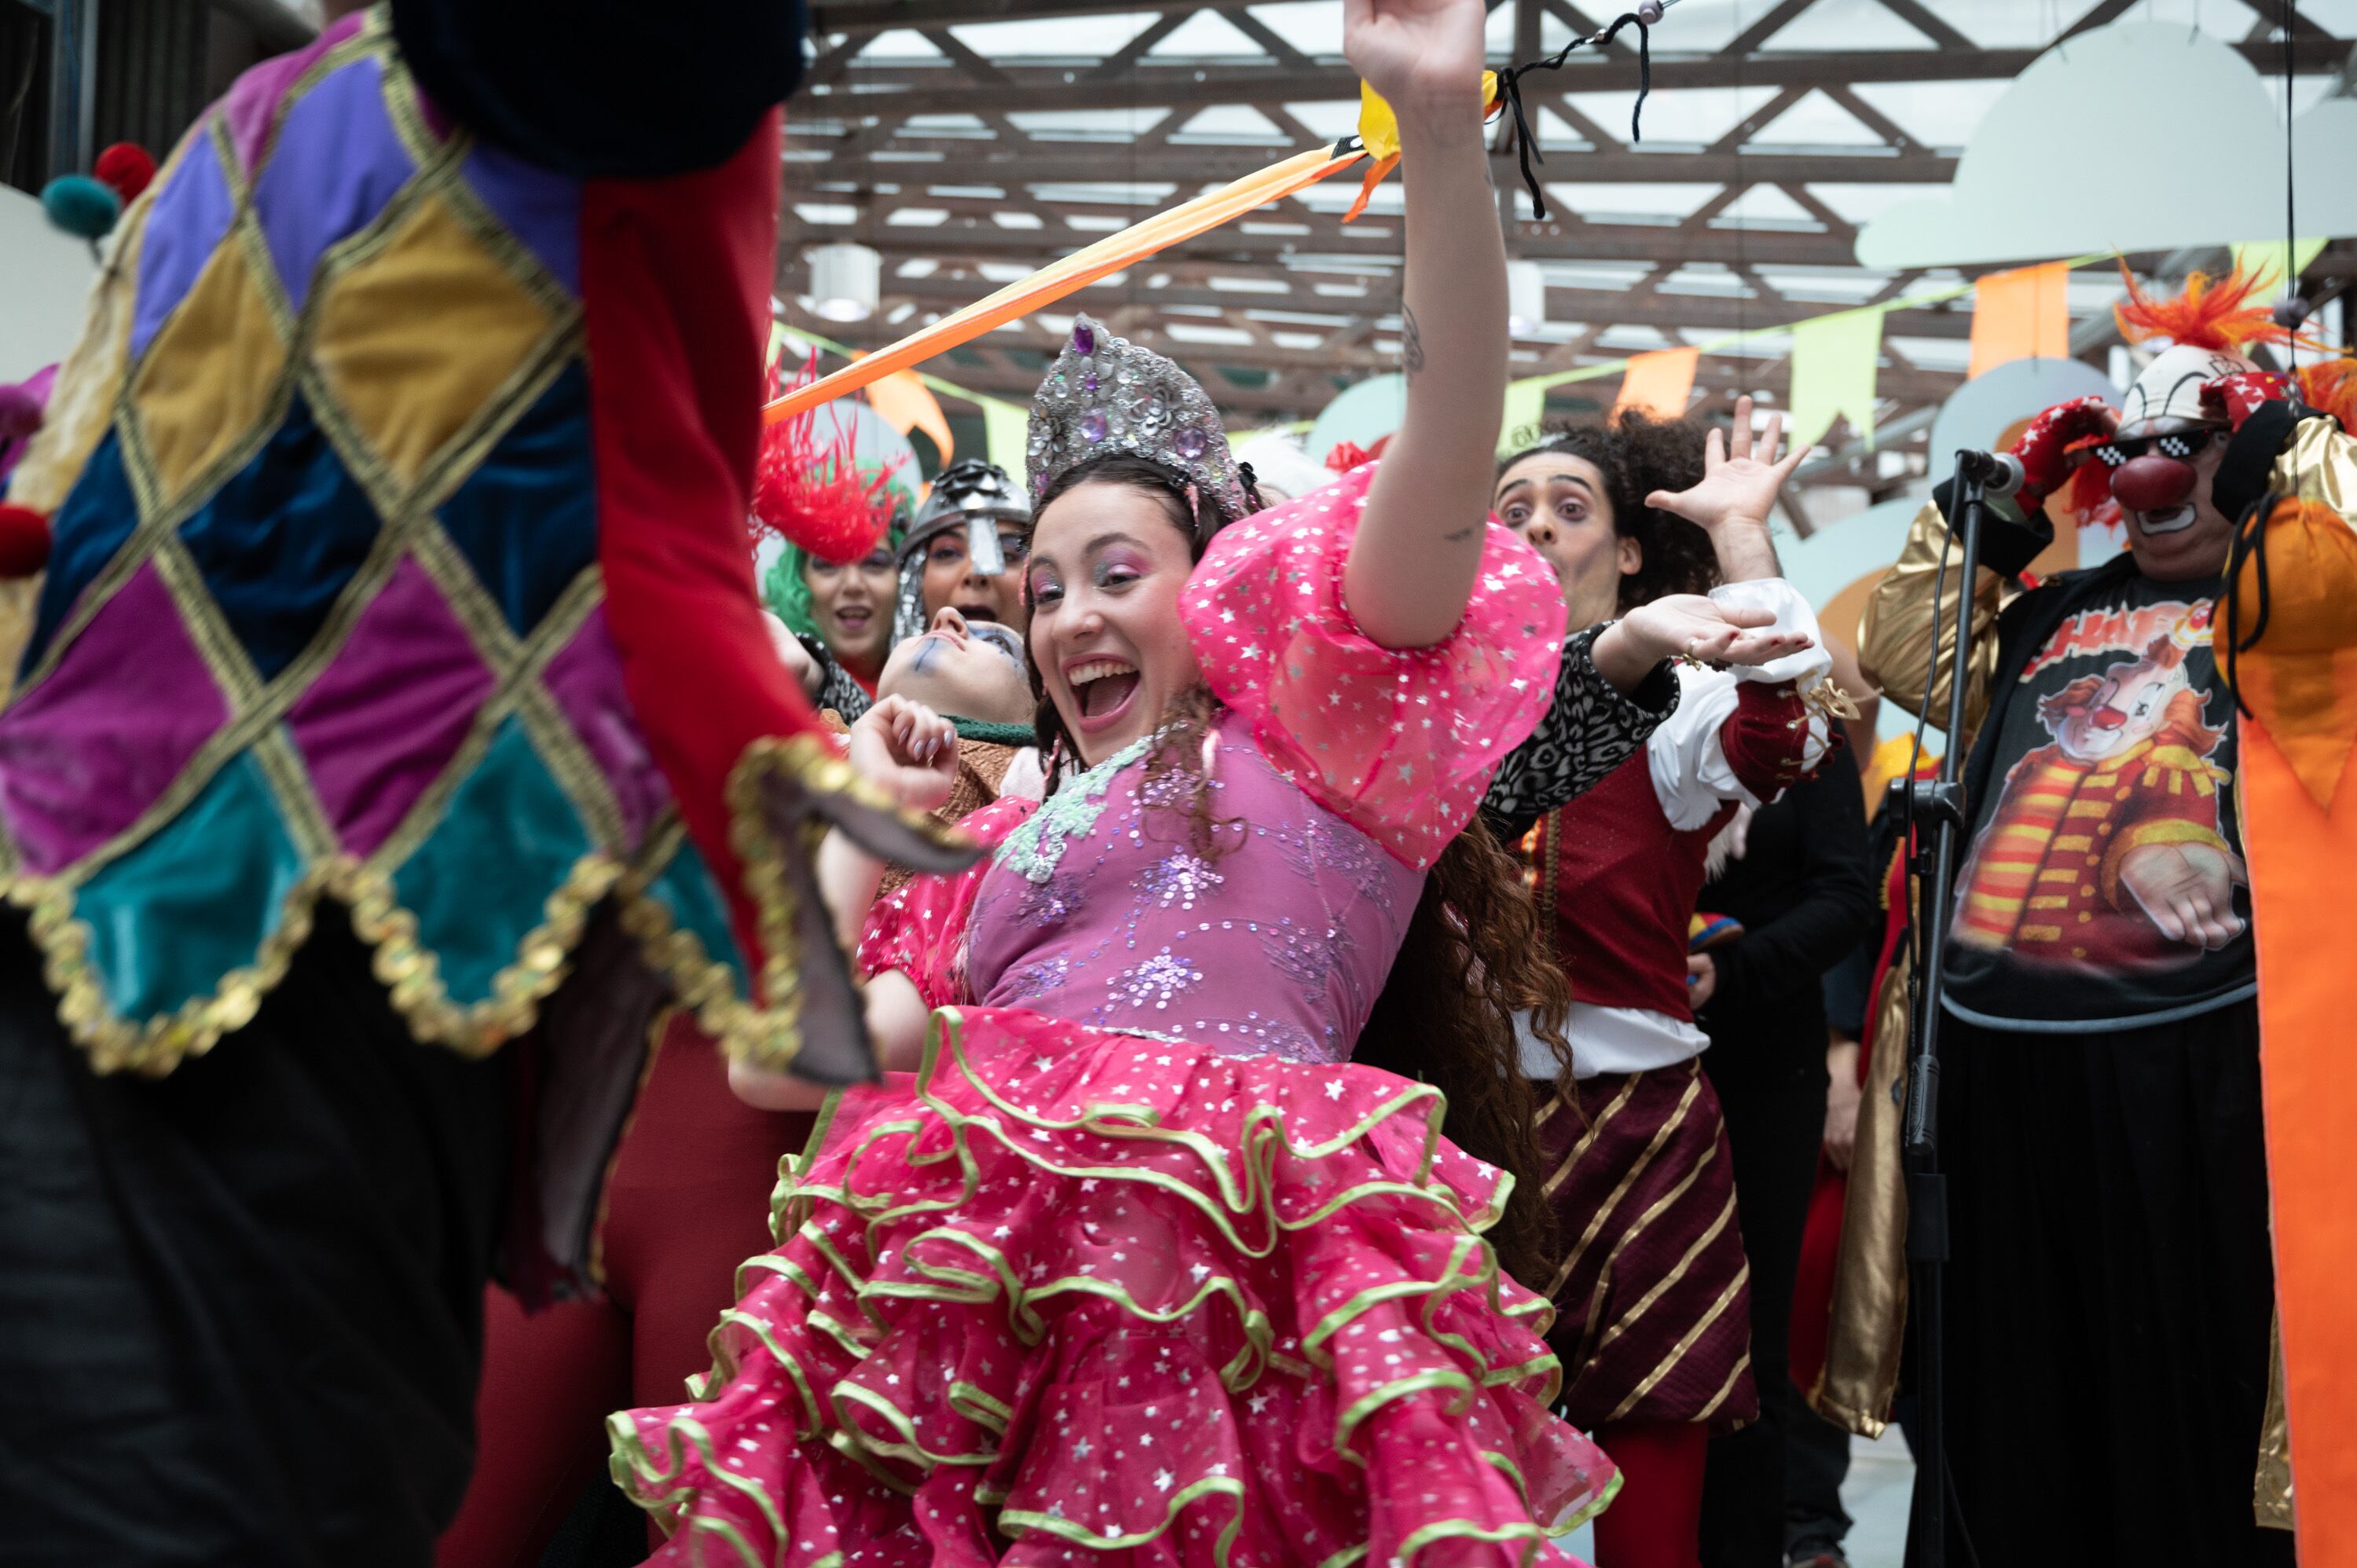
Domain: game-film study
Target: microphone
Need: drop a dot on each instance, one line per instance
(1997, 473)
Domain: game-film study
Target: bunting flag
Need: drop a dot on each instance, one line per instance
(2024, 313)
(905, 403)
(1526, 415)
(2267, 259)
(1659, 384)
(1004, 427)
(1834, 362)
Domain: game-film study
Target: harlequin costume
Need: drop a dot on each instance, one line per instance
(1139, 1264)
(2102, 1123)
(1653, 1312)
(396, 691)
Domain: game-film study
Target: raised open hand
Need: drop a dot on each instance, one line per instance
(1739, 480)
(1422, 56)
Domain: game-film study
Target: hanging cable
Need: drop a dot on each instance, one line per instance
(1509, 86)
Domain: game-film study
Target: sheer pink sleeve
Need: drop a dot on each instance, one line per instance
(919, 928)
(1400, 742)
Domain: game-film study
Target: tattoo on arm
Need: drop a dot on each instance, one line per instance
(1462, 535)
(1410, 342)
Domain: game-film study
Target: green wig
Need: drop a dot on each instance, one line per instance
(786, 593)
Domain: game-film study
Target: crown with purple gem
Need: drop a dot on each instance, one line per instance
(1105, 394)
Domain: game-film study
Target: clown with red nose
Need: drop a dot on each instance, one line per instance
(2101, 1121)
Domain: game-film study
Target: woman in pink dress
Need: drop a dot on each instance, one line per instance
(1141, 1266)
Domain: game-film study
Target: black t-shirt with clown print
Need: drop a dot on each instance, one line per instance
(2103, 783)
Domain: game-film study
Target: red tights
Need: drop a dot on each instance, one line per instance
(1656, 1519)
(687, 1200)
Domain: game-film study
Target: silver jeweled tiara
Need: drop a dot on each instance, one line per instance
(1105, 394)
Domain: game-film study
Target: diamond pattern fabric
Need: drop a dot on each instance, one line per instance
(337, 164)
(370, 762)
(408, 395)
(508, 813)
(323, 617)
(193, 210)
(88, 531)
(205, 386)
(195, 902)
(85, 754)
(526, 518)
(280, 543)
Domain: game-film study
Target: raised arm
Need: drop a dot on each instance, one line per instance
(1411, 568)
(1740, 481)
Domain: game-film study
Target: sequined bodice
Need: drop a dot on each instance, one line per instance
(1099, 911)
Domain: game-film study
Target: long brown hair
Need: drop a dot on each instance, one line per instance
(1472, 957)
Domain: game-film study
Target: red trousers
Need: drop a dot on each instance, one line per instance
(687, 1201)
(1656, 1519)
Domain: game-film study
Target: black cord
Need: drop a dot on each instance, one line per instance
(2249, 548)
(1509, 83)
(2291, 224)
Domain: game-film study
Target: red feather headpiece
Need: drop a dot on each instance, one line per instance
(816, 496)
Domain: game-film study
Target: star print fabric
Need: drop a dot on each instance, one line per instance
(1138, 1270)
(1084, 1298)
(1400, 742)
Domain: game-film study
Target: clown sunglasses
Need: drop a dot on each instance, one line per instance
(2183, 444)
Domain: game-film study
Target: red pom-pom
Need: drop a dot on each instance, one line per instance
(1349, 455)
(23, 540)
(126, 167)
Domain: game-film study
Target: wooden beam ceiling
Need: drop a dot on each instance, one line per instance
(936, 163)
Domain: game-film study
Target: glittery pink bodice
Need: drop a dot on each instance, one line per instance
(1278, 943)
(1341, 770)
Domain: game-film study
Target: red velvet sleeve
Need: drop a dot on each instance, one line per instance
(675, 277)
(1770, 738)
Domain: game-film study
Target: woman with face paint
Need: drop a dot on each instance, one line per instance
(1652, 1320)
(1143, 1261)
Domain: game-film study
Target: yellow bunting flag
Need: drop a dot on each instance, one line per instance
(1834, 362)
(1004, 427)
(2024, 313)
(2265, 259)
(1657, 383)
(1525, 414)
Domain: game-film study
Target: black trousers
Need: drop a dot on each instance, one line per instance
(1775, 1129)
(2108, 1296)
(240, 1304)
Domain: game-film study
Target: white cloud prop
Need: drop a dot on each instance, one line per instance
(48, 274)
(2138, 136)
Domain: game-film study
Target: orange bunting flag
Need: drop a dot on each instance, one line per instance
(2024, 313)
(1657, 383)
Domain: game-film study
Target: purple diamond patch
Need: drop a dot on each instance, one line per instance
(586, 679)
(336, 161)
(385, 718)
(90, 748)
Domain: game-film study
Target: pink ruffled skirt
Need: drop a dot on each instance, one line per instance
(1078, 1297)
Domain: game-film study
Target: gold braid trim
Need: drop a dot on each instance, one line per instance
(1240, 1183)
(412, 972)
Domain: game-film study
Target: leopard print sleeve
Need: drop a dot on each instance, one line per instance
(1592, 728)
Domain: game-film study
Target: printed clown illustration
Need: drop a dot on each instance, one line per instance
(2107, 838)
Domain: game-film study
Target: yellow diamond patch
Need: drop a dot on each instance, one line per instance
(210, 377)
(410, 391)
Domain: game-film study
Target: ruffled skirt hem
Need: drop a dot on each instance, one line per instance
(1078, 1291)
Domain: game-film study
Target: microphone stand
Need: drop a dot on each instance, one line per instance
(1940, 803)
